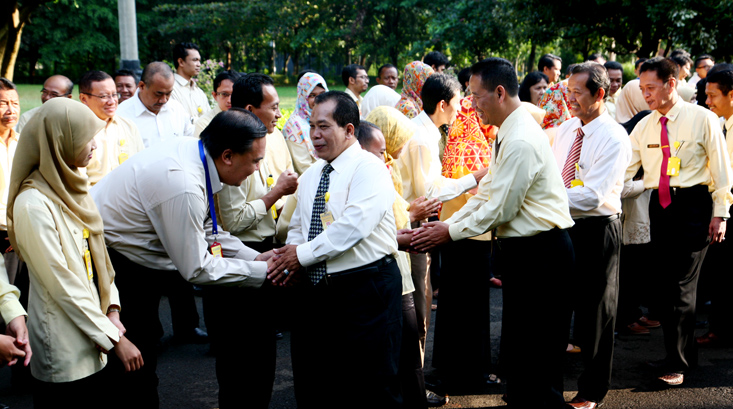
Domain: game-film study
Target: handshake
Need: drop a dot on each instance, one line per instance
(283, 267)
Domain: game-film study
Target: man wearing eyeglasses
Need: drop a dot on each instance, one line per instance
(222, 93)
(55, 86)
(356, 80)
(120, 139)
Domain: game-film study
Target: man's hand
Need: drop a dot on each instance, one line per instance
(10, 248)
(128, 353)
(265, 256)
(404, 237)
(114, 317)
(18, 330)
(9, 353)
(717, 230)
(430, 235)
(479, 174)
(286, 259)
(422, 208)
(287, 183)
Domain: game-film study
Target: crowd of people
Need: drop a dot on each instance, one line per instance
(354, 217)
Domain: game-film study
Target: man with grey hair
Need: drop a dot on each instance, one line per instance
(157, 116)
(592, 152)
(54, 87)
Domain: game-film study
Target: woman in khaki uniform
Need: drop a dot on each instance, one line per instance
(56, 228)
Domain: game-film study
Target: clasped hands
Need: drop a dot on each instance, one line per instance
(282, 265)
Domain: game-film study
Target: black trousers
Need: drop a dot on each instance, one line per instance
(717, 269)
(678, 248)
(410, 371)
(140, 291)
(85, 393)
(535, 274)
(462, 348)
(346, 339)
(595, 279)
(242, 332)
(634, 283)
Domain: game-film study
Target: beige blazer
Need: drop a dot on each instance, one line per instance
(65, 317)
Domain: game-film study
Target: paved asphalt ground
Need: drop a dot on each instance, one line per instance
(187, 378)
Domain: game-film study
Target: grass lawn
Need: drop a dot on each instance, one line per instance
(30, 96)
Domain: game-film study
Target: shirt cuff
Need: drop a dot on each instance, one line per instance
(11, 310)
(260, 209)
(468, 182)
(455, 232)
(247, 254)
(305, 255)
(258, 274)
(110, 332)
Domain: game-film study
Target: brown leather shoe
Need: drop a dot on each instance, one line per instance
(581, 403)
(637, 329)
(649, 323)
(709, 340)
(672, 378)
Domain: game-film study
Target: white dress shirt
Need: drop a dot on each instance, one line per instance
(421, 169)
(172, 120)
(24, 118)
(360, 200)
(604, 157)
(156, 213)
(523, 194)
(7, 152)
(190, 96)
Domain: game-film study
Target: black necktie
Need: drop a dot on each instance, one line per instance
(317, 271)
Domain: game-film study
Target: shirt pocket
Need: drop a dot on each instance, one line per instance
(337, 203)
(687, 151)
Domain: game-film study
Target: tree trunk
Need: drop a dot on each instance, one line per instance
(14, 19)
(532, 57)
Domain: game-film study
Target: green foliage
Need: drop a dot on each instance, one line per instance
(286, 114)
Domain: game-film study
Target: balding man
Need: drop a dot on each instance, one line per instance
(157, 117)
(54, 87)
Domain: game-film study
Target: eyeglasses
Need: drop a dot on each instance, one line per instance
(104, 97)
(224, 94)
(363, 77)
(53, 94)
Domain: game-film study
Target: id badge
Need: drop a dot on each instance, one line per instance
(327, 219)
(88, 263)
(273, 209)
(122, 158)
(216, 250)
(673, 166)
(576, 182)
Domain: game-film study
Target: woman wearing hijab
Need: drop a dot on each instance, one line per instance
(414, 78)
(397, 130)
(54, 225)
(297, 129)
(378, 95)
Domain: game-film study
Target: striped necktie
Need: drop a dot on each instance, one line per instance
(568, 171)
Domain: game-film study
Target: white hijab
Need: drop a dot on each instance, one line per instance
(378, 95)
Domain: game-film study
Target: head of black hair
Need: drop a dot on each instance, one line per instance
(385, 67)
(235, 129)
(594, 56)
(547, 60)
(680, 52)
(181, 51)
(631, 123)
(701, 97)
(723, 79)
(597, 77)
(350, 71)
(497, 71)
(681, 59)
(367, 133)
(703, 57)
(435, 59)
(438, 87)
(569, 70)
(639, 62)
(345, 112)
(153, 68)
(124, 72)
(6, 84)
(464, 76)
(664, 67)
(248, 90)
(529, 81)
(85, 83)
(301, 74)
(230, 75)
(613, 65)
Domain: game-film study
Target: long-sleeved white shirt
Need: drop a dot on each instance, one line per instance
(172, 120)
(604, 157)
(156, 213)
(361, 197)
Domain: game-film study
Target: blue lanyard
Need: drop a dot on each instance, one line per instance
(212, 211)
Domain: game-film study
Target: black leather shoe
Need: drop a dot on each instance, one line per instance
(197, 336)
(435, 400)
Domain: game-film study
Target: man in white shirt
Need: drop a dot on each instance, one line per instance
(126, 82)
(340, 244)
(158, 216)
(703, 64)
(524, 199)
(356, 80)
(55, 86)
(118, 140)
(187, 60)
(158, 118)
(592, 153)
(222, 94)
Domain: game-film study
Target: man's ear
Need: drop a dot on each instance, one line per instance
(350, 131)
(500, 93)
(250, 108)
(141, 85)
(601, 94)
(226, 157)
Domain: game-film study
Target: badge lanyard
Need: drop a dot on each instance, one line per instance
(216, 247)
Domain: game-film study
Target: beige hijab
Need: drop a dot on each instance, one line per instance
(44, 160)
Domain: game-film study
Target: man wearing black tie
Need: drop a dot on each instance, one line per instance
(339, 251)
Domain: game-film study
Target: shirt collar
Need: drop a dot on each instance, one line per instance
(346, 157)
(216, 185)
(591, 127)
(425, 120)
(510, 121)
(184, 82)
(729, 125)
(140, 108)
(673, 112)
